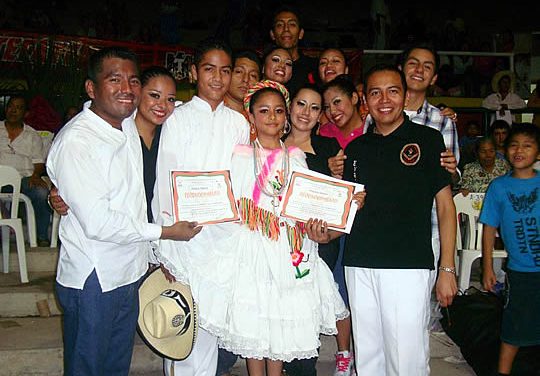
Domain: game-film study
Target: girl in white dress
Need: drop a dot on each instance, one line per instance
(263, 290)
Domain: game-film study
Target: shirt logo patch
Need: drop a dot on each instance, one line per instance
(410, 154)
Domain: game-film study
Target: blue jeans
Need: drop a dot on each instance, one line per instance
(99, 328)
(38, 196)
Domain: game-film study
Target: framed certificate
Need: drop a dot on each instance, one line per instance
(314, 195)
(203, 196)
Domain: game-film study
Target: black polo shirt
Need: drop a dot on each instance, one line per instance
(402, 174)
(304, 70)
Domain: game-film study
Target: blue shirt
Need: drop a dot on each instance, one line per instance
(513, 205)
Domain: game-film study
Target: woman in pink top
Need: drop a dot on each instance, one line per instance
(341, 102)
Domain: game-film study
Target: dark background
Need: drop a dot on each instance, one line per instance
(345, 23)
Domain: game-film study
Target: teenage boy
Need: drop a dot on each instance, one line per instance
(199, 135)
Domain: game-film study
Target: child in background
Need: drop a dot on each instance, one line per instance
(512, 204)
(467, 143)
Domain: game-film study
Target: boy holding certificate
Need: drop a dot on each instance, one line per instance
(388, 255)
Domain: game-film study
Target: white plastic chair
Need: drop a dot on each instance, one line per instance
(469, 235)
(11, 177)
(30, 215)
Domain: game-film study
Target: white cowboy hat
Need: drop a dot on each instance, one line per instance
(497, 77)
(167, 316)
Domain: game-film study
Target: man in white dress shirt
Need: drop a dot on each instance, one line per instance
(200, 135)
(105, 235)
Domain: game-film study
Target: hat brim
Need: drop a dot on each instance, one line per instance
(177, 347)
(497, 77)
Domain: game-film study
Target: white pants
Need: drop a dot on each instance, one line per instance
(390, 315)
(436, 246)
(201, 362)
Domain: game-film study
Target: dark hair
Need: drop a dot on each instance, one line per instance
(472, 122)
(481, 141)
(334, 49)
(250, 55)
(210, 44)
(255, 97)
(287, 8)
(18, 96)
(268, 50)
(526, 129)
(499, 124)
(307, 86)
(382, 68)
(343, 82)
(155, 71)
(95, 61)
(420, 46)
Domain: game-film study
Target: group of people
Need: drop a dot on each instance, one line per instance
(264, 286)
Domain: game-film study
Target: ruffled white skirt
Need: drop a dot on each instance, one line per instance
(249, 297)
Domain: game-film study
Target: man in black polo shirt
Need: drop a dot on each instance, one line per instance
(388, 254)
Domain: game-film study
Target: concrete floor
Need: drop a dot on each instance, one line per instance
(441, 347)
(34, 343)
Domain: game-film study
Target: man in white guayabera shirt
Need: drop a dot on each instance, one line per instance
(105, 235)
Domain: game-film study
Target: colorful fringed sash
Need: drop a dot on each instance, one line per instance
(267, 223)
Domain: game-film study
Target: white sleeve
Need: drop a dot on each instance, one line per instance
(73, 169)
(492, 102)
(37, 148)
(514, 101)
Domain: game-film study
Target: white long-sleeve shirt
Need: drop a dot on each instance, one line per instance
(194, 138)
(495, 101)
(512, 100)
(98, 172)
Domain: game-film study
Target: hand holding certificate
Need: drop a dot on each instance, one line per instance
(202, 196)
(314, 195)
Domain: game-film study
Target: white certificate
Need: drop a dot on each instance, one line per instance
(314, 195)
(203, 196)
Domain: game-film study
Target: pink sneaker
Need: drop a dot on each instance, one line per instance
(344, 364)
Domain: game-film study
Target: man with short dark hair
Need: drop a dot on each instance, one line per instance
(105, 234)
(388, 254)
(499, 131)
(246, 71)
(286, 32)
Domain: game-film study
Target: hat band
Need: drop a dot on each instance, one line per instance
(179, 320)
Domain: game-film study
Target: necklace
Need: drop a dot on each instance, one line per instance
(258, 165)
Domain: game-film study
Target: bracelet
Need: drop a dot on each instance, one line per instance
(447, 269)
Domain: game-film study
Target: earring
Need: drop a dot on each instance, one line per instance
(287, 127)
(252, 129)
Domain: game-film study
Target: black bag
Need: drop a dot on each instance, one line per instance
(473, 322)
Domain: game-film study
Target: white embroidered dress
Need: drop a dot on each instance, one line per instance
(261, 296)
